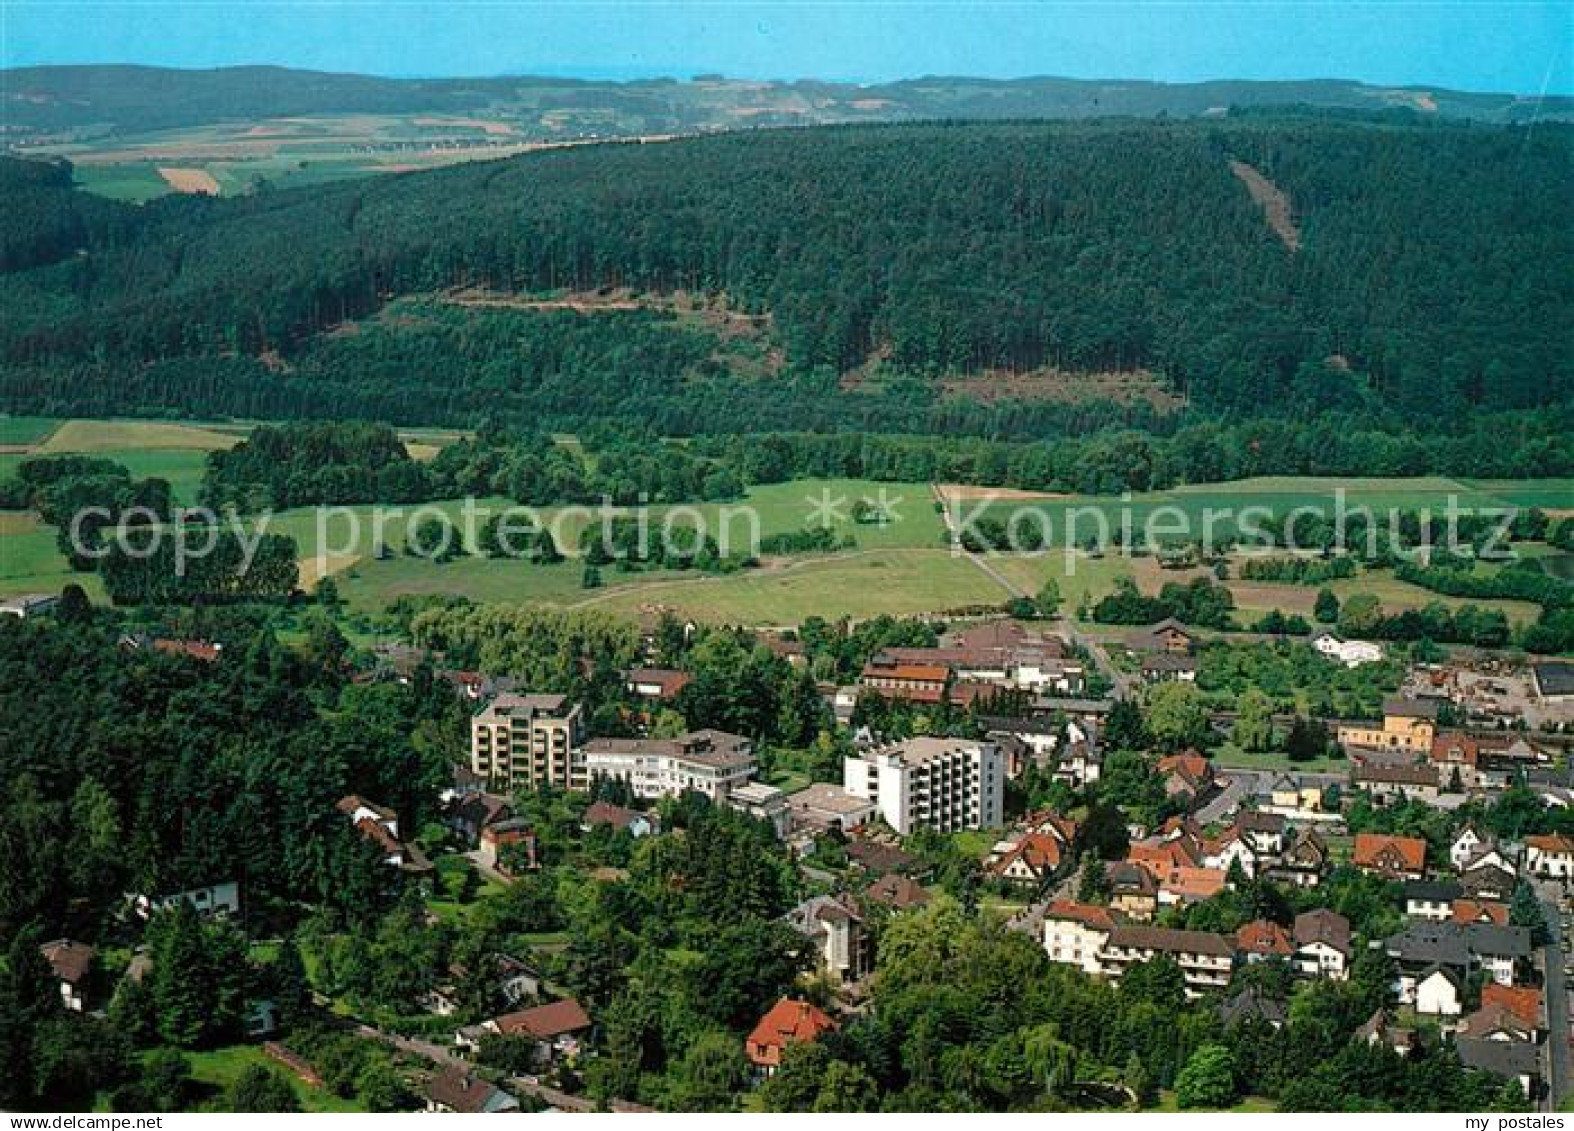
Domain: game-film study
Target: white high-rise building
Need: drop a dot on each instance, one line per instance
(943, 784)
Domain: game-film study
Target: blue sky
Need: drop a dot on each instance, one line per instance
(1516, 45)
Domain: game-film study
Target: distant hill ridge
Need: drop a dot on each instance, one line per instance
(99, 101)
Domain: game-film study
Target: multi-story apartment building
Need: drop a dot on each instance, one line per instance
(1075, 934)
(529, 741)
(711, 762)
(943, 784)
(1205, 959)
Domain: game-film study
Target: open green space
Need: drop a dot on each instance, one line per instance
(899, 567)
(220, 1068)
(858, 585)
(19, 430)
(1183, 513)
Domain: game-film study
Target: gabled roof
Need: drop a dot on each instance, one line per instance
(1377, 850)
(667, 681)
(1498, 942)
(1191, 884)
(788, 1022)
(1323, 926)
(1479, 911)
(1509, 1059)
(1251, 1004)
(1556, 844)
(1040, 852)
(543, 1022)
(807, 917)
(1490, 1019)
(1182, 852)
(1253, 821)
(1189, 765)
(1164, 940)
(1404, 708)
(1131, 879)
(1431, 944)
(1421, 774)
(606, 813)
(1088, 915)
(1262, 936)
(1523, 1001)
(1432, 891)
(70, 960)
(458, 1090)
(352, 803)
(896, 891)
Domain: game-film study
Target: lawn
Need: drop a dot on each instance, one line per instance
(1230, 756)
(445, 903)
(18, 431)
(219, 1068)
(858, 585)
(1168, 1103)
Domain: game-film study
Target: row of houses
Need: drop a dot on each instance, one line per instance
(1098, 941)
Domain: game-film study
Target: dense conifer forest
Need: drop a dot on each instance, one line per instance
(1431, 283)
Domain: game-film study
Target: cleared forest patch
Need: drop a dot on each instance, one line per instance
(1274, 203)
(189, 180)
(1048, 383)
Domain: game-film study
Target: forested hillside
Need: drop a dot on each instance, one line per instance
(1435, 275)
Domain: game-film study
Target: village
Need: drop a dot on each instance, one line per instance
(1432, 842)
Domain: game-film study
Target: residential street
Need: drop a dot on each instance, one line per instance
(1556, 993)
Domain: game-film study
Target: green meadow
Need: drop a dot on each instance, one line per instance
(1183, 513)
(900, 567)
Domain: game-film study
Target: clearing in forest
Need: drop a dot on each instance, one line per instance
(1271, 199)
(189, 180)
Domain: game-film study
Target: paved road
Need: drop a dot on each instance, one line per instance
(1556, 993)
(1122, 686)
(1241, 784)
(443, 1056)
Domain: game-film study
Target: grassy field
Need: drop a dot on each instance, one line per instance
(1229, 755)
(25, 431)
(1078, 577)
(220, 1068)
(898, 568)
(860, 585)
(1189, 505)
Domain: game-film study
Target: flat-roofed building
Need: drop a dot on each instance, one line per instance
(530, 741)
(945, 784)
(711, 762)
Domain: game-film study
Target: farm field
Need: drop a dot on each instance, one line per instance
(231, 158)
(857, 585)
